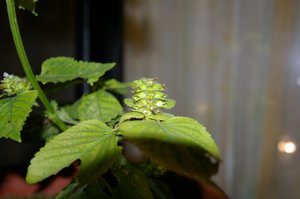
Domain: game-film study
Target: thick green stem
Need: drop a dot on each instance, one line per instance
(25, 63)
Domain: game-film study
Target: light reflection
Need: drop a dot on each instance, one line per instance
(287, 147)
(203, 108)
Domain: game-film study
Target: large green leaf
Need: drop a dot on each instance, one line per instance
(100, 105)
(91, 141)
(179, 143)
(62, 69)
(13, 113)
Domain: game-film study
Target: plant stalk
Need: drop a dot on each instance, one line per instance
(26, 66)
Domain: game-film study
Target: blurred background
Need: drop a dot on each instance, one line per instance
(234, 65)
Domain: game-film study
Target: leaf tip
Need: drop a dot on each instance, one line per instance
(30, 179)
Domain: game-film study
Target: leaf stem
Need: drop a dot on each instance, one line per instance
(25, 63)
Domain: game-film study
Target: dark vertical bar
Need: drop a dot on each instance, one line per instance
(86, 30)
(83, 36)
(100, 33)
(107, 34)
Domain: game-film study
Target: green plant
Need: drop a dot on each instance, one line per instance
(94, 128)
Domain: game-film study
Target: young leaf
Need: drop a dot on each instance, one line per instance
(131, 115)
(49, 131)
(179, 143)
(129, 102)
(116, 86)
(62, 69)
(13, 113)
(27, 5)
(65, 117)
(91, 141)
(170, 103)
(100, 105)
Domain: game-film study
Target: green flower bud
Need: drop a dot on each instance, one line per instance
(12, 84)
(148, 97)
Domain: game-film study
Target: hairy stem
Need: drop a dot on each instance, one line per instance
(25, 63)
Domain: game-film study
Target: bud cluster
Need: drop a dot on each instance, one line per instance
(12, 84)
(148, 97)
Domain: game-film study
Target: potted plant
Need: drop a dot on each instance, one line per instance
(98, 135)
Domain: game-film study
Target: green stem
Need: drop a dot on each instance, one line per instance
(25, 63)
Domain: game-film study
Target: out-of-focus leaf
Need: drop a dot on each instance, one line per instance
(117, 87)
(180, 143)
(132, 183)
(160, 117)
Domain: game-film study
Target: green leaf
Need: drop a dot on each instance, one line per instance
(49, 131)
(91, 141)
(160, 117)
(132, 183)
(117, 87)
(131, 115)
(75, 190)
(72, 110)
(99, 105)
(65, 117)
(62, 69)
(99, 189)
(129, 102)
(13, 113)
(170, 103)
(27, 5)
(180, 143)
